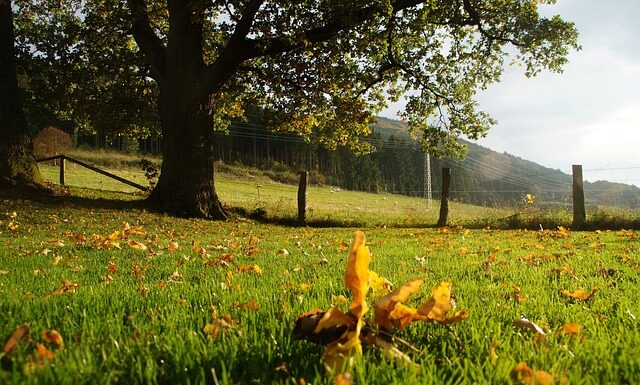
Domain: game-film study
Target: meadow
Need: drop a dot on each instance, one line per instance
(144, 298)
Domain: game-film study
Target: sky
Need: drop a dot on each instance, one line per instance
(590, 113)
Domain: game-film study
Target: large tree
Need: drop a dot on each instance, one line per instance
(324, 68)
(17, 163)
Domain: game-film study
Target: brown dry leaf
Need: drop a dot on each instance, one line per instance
(306, 325)
(571, 328)
(251, 305)
(356, 276)
(579, 295)
(173, 246)
(67, 287)
(518, 296)
(387, 304)
(254, 268)
(20, 333)
(52, 337)
(136, 245)
(526, 324)
(218, 325)
(523, 374)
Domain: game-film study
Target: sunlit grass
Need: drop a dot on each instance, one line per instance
(145, 323)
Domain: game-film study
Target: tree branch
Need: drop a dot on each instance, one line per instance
(149, 43)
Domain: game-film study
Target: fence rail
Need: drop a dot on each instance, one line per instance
(64, 158)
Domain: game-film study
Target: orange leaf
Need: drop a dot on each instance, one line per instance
(439, 303)
(340, 355)
(571, 328)
(387, 304)
(523, 374)
(343, 379)
(404, 315)
(53, 337)
(356, 276)
(18, 335)
(517, 295)
(579, 295)
(43, 353)
(334, 318)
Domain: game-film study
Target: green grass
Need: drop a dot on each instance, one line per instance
(146, 325)
(250, 192)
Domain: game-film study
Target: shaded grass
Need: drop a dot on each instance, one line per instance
(144, 327)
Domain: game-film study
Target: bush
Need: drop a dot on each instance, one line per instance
(51, 141)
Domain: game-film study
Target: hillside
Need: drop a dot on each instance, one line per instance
(491, 178)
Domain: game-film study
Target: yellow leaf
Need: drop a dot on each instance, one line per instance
(404, 315)
(334, 318)
(523, 374)
(571, 328)
(356, 277)
(379, 285)
(387, 304)
(439, 303)
(137, 245)
(579, 295)
(114, 235)
(340, 355)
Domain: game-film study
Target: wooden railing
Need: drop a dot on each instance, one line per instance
(63, 158)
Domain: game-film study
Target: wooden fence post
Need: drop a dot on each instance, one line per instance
(61, 170)
(302, 197)
(444, 197)
(579, 211)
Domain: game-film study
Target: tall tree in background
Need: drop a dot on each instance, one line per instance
(17, 163)
(324, 68)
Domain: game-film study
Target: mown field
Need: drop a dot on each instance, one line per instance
(141, 298)
(251, 192)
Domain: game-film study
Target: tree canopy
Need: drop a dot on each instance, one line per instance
(322, 69)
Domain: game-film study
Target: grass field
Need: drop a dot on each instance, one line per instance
(132, 307)
(279, 201)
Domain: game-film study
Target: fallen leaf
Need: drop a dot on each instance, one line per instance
(251, 305)
(526, 324)
(343, 379)
(518, 296)
(579, 295)
(254, 268)
(20, 333)
(4, 272)
(493, 355)
(52, 337)
(173, 246)
(387, 304)
(523, 374)
(571, 328)
(136, 245)
(356, 277)
(67, 287)
(379, 285)
(283, 252)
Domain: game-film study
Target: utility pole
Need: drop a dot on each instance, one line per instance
(427, 180)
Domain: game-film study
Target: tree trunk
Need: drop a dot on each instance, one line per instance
(17, 163)
(186, 182)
